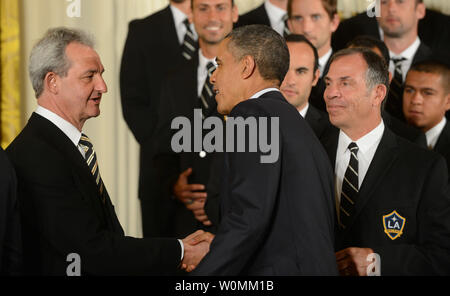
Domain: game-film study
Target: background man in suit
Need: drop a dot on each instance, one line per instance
(316, 20)
(271, 13)
(302, 76)
(149, 53)
(65, 207)
(392, 197)
(188, 178)
(394, 124)
(277, 218)
(10, 231)
(425, 100)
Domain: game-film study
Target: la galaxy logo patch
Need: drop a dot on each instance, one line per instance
(393, 225)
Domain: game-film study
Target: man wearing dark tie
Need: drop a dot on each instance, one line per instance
(65, 207)
(277, 214)
(303, 74)
(392, 197)
(425, 100)
(154, 45)
(271, 13)
(316, 20)
(190, 179)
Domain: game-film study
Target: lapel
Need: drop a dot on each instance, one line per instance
(169, 34)
(263, 14)
(386, 154)
(82, 175)
(330, 143)
(422, 53)
(443, 144)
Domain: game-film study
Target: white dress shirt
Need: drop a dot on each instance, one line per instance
(324, 60)
(304, 110)
(66, 127)
(434, 133)
(261, 92)
(202, 72)
(178, 19)
(276, 16)
(367, 146)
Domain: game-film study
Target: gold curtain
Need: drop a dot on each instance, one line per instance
(9, 71)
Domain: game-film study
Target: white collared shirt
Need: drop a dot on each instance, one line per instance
(202, 72)
(408, 54)
(276, 16)
(261, 92)
(367, 146)
(178, 19)
(66, 127)
(324, 60)
(304, 110)
(434, 133)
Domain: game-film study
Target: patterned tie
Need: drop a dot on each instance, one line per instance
(350, 187)
(189, 45)
(207, 101)
(91, 160)
(394, 104)
(286, 30)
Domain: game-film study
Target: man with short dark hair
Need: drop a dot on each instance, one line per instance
(426, 99)
(392, 197)
(316, 20)
(277, 216)
(303, 74)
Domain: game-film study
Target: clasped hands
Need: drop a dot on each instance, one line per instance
(192, 196)
(196, 246)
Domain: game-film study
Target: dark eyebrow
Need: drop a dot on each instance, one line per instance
(302, 68)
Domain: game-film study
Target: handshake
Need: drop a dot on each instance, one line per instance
(196, 246)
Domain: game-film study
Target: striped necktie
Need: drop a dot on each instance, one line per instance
(189, 45)
(207, 101)
(286, 30)
(91, 160)
(350, 187)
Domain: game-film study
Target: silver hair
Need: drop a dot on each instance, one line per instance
(49, 55)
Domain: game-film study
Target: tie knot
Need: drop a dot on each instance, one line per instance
(285, 17)
(399, 60)
(84, 141)
(210, 67)
(187, 24)
(353, 147)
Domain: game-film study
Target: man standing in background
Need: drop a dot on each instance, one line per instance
(154, 45)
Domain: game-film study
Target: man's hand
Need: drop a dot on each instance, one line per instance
(190, 196)
(353, 261)
(196, 246)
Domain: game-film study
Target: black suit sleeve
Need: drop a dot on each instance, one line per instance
(135, 90)
(431, 254)
(10, 230)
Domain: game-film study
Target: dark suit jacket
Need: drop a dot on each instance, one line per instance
(434, 31)
(148, 55)
(10, 232)
(404, 130)
(319, 121)
(413, 181)
(316, 97)
(62, 212)
(277, 218)
(393, 105)
(181, 101)
(256, 16)
(443, 144)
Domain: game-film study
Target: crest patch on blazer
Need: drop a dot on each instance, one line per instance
(393, 225)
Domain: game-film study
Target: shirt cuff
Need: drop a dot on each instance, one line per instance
(182, 249)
